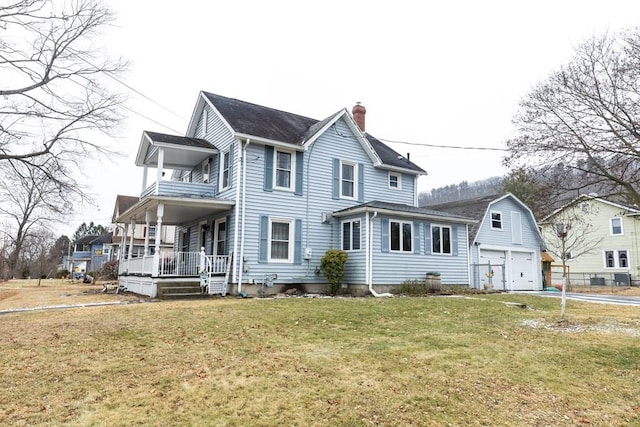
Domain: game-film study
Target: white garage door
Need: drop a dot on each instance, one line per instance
(497, 259)
(522, 272)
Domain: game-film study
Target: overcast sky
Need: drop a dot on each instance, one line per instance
(441, 73)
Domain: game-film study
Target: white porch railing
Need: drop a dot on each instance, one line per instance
(183, 264)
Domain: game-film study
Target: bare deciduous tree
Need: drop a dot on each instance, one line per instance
(55, 100)
(30, 202)
(584, 117)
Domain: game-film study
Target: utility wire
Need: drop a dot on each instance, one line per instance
(422, 144)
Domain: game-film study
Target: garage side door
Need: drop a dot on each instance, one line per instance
(522, 272)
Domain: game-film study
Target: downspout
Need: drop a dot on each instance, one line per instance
(237, 223)
(369, 261)
(243, 161)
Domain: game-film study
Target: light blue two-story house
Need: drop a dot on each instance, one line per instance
(505, 244)
(258, 195)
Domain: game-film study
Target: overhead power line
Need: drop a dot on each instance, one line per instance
(455, 147)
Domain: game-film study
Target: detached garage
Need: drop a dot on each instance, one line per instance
(505, 244)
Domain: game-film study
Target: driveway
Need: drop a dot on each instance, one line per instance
(603, 299)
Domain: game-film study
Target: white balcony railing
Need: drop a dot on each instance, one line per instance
(182, 264)
(180, 189)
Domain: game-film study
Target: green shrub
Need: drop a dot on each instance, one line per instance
(332, 265)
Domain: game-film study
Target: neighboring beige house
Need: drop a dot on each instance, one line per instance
(601, 243)
(134, 241)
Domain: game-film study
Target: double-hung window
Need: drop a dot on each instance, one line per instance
(496, 220)
(440, 239)
(616, 226)
(280, 240)
(283, 170)
(351, 235)
(225, 178)
(348, 180)
(400, 233)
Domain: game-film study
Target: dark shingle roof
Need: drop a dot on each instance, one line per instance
(252, 119)
(401, 208)
(91, 240)
(125, 202)
(178, 140)
(474, 208)
(264, 122)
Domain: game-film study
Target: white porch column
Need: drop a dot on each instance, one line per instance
(156, 255)
(145, 170)
(159, 170)
(133, 231)
(147, 220)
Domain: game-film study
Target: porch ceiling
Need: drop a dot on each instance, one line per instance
(177, 210)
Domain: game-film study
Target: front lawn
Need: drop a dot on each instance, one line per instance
(323, 361)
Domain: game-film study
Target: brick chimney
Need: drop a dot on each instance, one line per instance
(358, 113)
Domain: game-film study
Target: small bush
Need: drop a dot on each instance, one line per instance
(412, 288)
(332, 265)
(109, 270)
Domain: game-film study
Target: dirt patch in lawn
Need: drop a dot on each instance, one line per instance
(16, 294)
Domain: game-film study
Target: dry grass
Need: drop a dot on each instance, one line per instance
(306, 362)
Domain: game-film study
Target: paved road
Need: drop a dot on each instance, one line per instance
(604, 299)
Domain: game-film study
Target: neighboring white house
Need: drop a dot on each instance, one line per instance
(601, 245)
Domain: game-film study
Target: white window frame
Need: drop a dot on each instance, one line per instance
(351, 235)
(398, 178)
(291, 242)
(186, 176)
(440, 250)
(401, 236)
(501, 220)
(205, 120)
(616, 258)
(216, 235)
(206, 168)
(292, 175)
(611, 220)
(354, 181)
(225, 156)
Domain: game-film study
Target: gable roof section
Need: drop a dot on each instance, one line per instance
(251, 120)
(629, 210)
(179, 150)
(398, 209)
(477, 207)
(122, 204)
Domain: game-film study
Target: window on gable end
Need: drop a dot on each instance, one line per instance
(496, 220)
(348, 180)
(616, 226)
(205, 120)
